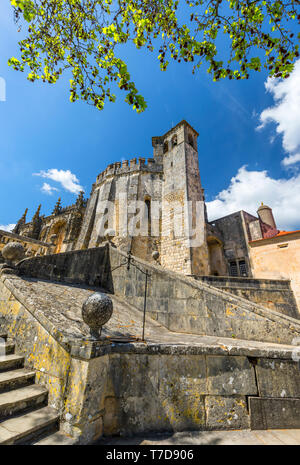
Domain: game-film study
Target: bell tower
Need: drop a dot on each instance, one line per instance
(183, 242)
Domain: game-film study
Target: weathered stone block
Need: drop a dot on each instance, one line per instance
(143, 414)
(196, 306)
(127, 371)
(278, 378)
(214, 305)
(177, 306)
(273, 294)
(199, 325)
(111, 418)
(161, 305)
(180, 411)
(161, 290)
(260, 329)
(230, 376)
(183, 368)
(226, 412)
(163, 318)
(274, 413)
(183, 291)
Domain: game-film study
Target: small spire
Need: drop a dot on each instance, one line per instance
(20, 223)
(36, 216)
(80, 201)
(57, 209)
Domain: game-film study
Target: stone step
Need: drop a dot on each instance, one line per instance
(10, 362)
(7, 348)
(14, 379)
(21, 399)
(23, 429)
(56, 439)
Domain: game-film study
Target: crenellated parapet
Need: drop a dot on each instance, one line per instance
(130, 166)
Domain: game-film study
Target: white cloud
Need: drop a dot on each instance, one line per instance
(291, 159)
(285, 113)
(7, 227)
(47, 189)
(67, 179)
(249, 188)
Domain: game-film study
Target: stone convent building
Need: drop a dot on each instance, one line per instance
(158, 206)
(132, 313)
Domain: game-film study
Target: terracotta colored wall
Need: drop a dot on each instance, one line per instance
(271, 260)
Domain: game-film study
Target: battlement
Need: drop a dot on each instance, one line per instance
(129, 166)
(182, 132)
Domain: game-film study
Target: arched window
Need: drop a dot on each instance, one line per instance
(174, 141)
(148, 212)
(166, 146)
(106, 222)
(191, 140)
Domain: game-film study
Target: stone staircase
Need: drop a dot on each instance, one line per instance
(25, 417)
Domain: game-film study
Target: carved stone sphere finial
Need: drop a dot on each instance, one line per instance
(155, 255)
(96, 311)
(13, 252)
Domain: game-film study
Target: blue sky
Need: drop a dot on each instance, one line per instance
(239, 165)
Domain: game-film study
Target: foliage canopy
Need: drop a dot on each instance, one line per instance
(83, 36)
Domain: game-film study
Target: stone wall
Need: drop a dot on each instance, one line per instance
(137, 388)
(181, 392)
(275, 294)
(177, 302)
(217, 262)
(233, 232)
(278, 258)
(132, 389)
(50, 360)
(91, 267)
(59, 357)
(32, 247)
(185, 305)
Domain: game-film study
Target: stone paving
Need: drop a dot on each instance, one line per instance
(194, 438)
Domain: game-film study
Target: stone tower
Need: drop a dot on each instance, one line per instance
(266, 215)
(153, 206)
(183, 236)
(118, 204)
